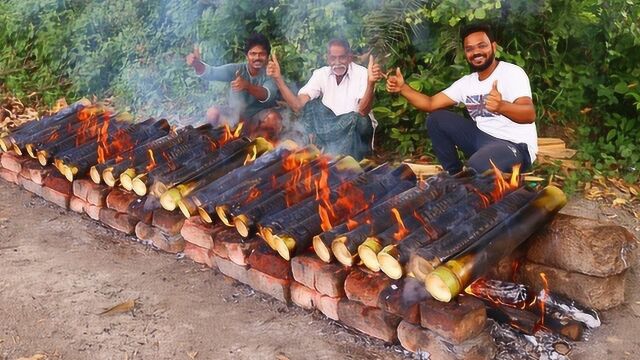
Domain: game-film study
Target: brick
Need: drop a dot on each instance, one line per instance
(220, 249)
(265, 260)
(277, 288)
(232, 270)
(198, 232)
(161, 240)
(30, 185)
(461, 319)
(91, 192)
(584, 246)
(328, 306)
(303, 296)
(199, 254)
(238, 248)
(76, 204)
(12, 162)
(59, 183)
(27, 166)
(120, 199)
(365, 286)
(143, 208)
(600, 293)
(313, 273)
(8, 175)
(419, 340)
(34, 171)
(93, 211)
(56, 197)
(369, 320)
(403, 298)
(119, 221)
(168, 221)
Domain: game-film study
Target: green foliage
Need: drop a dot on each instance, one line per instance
(581, 57)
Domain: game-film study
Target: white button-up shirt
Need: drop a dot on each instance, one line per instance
(342, 98)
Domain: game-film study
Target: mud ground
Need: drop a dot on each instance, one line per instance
(59, 270)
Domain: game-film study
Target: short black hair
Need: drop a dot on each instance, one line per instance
(339, 42)
(476, 27)
(257, 39)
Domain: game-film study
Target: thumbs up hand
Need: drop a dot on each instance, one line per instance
(273, 68)
(493, 101)
(395, 82)
(373, 70)
(239, 83)
(194, 57)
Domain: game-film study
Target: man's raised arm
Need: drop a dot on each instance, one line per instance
(295, 102)
(396, 84)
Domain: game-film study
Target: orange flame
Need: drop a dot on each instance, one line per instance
(53, 137)
(427, 227)
(324, 218)
(502, 187)
(254, 193)
(351, 224)
(170, 163)
(402, 230)
(152, 161)
(543, 295)
(251, 156)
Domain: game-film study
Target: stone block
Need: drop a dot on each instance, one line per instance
(58, 198)
(420, 340)
(143, 208)
(77, 205)
(120, 200)
(584, 246)
(199, 254)
(35, 172)
(600, 293)
(59, 183)
(458, 320)
(328, 279)
(403, 297)
(277, 288)
(90, 192)
(238, 248)
(233, 270)
(119, 221)
(168, 221)
(303, 296)
(12, 162)
(93, 211)
(9, 176)
(365, 286)
(265, 260)
(161, 240)
(198, 232)
(30, 186)
(369, 320)
(328, 306)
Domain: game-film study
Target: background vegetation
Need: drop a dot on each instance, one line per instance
(581, 57)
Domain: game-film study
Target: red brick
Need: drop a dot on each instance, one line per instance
(303, 296)
(220, 249)
(196, 231)
(232, 270)
(76, 204)
(58, 183)
(402, 298)
(8, 175)
(93, 211)
(120, 199)
(313, 273)
(27, 166)
(365, 286)
(328, 306)
(165, 242)
(30, 185)
(238, 248)
(56, 197)
(420, 340)
(369, 320)
(168, 221)
(13, 162)
(304, 269)
(461, 319)
(270, 285)
(265, 260)
(81, 187)
(199, 254)
(143, 208)
(35, 172)
(119, 221)
(91, 192)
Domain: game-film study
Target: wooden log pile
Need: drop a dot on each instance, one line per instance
(332, 235)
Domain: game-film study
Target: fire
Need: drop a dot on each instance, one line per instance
(543, 295)
(229, 134)
(251, 156)
(170, 163)
(324, 218)
(254, 193)
(238, 131)
(53, 137)
(402, 230)
(427, 227)
(152, 160)
(502, 187)
(103, 136)
(351, 224)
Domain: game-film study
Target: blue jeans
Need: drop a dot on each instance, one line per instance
(449, 130)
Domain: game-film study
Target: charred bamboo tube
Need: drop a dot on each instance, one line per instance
(529, 323)
(447, 280)
(370, 185)
(41, 134)
(424, 260)
(246, 219)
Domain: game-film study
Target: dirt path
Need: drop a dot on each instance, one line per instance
(59, 270)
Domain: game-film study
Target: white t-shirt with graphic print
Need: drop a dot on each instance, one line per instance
(513, 83)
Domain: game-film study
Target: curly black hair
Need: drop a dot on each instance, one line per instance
(254, 40)
(476, 27)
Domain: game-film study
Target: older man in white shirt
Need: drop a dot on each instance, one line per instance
(339, 119)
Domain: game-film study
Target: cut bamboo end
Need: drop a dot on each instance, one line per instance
(18, 151)
(442, 283)
(221, 211)
(169, 199)
(340, 251)
(3, 145)
(204, 215)
(187, 207)
(242, 224)
(321, 250)
(389, 264)
(68, 172)
(420, 267)
(31, 151)
(284, 245)
(126, 178)
(267, 234)
(138, 184)
(43, 157)
(368, 253)
(158, 188)
(95, 175)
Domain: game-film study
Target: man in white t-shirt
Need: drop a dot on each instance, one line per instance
(497, 96)
(336, 102)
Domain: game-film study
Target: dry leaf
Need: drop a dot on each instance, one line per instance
(120, 308)
(633, 190)
(35, 357)
(619, 201)
(192, 354)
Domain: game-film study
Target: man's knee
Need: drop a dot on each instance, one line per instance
(213, 114)
(436, 118)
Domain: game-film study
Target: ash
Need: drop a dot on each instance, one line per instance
(513, 345)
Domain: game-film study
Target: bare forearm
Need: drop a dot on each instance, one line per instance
(418, 100)
(199, 67)
(519, 113)
(258, 92)
(366, 103)
(292, 100)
